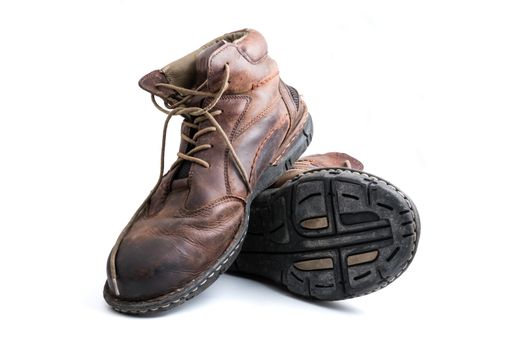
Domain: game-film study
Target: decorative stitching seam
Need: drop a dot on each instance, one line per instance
(258, 117)
(249, 59)
(210, 206)
(241, 116)
(248, 100)
(300, 131)
(265, 80)
(226, 172)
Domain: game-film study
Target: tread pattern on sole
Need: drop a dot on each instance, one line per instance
(369, 231)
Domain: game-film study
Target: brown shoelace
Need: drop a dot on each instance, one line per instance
(197, 115)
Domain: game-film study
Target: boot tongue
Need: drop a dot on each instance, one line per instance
(190, 72)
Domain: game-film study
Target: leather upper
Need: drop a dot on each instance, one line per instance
(315, 161)
(194, 214)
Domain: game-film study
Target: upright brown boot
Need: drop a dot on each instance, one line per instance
(243, 127)
(327, 230)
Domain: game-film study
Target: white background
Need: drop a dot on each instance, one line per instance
(429, 95)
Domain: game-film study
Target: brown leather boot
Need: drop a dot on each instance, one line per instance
(329, 231)
(243, 127)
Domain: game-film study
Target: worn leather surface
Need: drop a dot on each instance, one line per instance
(315, 161)
(189, 222)
(331, 160)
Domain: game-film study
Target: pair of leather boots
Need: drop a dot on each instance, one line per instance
(239, 199)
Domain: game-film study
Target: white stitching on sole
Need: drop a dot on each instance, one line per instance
(183, 298)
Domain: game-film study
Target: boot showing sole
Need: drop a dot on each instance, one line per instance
(330, 234)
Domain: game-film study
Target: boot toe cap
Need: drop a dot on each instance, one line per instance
(149, 268)
(164, 255)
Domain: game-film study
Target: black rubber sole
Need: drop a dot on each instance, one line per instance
(330, 234)
(177, 297)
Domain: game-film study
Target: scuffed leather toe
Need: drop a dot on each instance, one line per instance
(161, 254)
